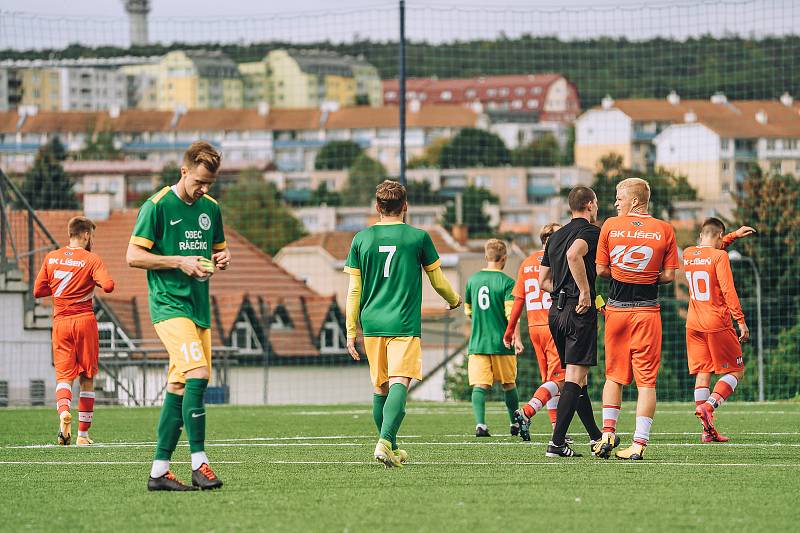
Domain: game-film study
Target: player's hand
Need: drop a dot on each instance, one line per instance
(190, 265)
(744, 332)
(222, 259)
(518, 346)
(584, 303)
(458, 304)
(508, 338)
(351, 347)
(744, 231)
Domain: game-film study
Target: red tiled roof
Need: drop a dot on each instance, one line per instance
(431, 116)
(337, 243)
(253, 274)
(8, 121)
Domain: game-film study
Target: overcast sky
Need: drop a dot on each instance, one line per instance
(55, 23)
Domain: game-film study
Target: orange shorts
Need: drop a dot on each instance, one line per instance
(75, 347)
(633, 345)
(716, 351)
(546, 353)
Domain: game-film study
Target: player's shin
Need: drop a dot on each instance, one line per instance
(701, 394)
(169, 431)
(479, 405)
(584, 410)
(542, 396)
(512, 402)
(194, 418)
(722, 390)
(378, 401)
(394, 411)
(610, 417)
(85, 413)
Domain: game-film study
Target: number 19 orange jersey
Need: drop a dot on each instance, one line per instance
(537, 301)
(712, 295)
(70, 276)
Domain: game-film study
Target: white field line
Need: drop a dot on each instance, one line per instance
(452, 411)
(62, 463)
(484, 443)
(555, 462)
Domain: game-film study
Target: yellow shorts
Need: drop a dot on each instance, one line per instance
(391, 357)
(188, 346)
(486, 369)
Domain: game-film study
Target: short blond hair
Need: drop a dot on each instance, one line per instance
(202, 153)
(495, 250)
(77, 226)
(390, 195)
(547, 231)
(636, 187)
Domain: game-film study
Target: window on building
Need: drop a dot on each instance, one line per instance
(331, 339)
(533, 104)
(483, 181)
(446, 95)
(770, 144)
(503, 91)
(491, 92)
(790, 144)
(244, 338)
(519, 91)
(725, 165)
(516, 104)
(391, 95)
(470, 93)
(536, 90)
(725, 144)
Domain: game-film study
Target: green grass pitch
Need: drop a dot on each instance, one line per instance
(310, 468)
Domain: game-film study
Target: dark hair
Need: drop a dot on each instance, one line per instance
(391, 196)
(580, 197)
(712, 226)
(79, 225)
(547, 231)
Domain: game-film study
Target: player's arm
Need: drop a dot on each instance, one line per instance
(670, 262)
(101, 276)
(602, 258)
(442, 286)
(575, 254)
(725, 277)
(41, 286)
(744, 231)
(222, 254)
(351, 313)
(140, 257)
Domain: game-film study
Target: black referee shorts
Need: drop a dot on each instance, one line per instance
(575, 335)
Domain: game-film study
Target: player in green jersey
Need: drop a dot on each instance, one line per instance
(179, 240)
(488, 300)
(385, 265)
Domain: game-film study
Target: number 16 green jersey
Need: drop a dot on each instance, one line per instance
(389, 258)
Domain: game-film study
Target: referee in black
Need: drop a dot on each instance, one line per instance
(568, 272)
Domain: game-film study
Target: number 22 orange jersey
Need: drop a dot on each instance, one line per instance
(712, 295)
(537, 301)
(70, 276)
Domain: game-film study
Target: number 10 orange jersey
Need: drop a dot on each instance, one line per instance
(71, 275)
(712, 295)
(537, 301)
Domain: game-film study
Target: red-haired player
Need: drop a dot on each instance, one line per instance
(70, 275)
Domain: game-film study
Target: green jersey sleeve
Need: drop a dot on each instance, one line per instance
(430, 258)
(353, 264)
(468, 293)
(509, 291)
(219, 232)
(146, 228)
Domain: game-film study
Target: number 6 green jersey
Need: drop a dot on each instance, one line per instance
(389, 258)
(166, 225)
(487, 292)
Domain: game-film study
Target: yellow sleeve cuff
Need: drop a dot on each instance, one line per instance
(218, 247)
(352, 271)
(468, 309)
(442, 286)
(433, 266)
(353, 306)
(141, 241)
(509, 305)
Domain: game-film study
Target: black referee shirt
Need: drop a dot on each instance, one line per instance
(555, 256)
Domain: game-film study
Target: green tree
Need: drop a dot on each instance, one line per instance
(99, 146)
(254, 208)
(363, 177)
(542, 152)
(337, 155)
(473, 147)
(665, 187)
(321, 195)
(422, 193)
(473, 200)
(169, 176)
(430, 157)
(46, 185)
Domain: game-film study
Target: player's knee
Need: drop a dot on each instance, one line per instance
(198, 373)
(176, 388)
(739, 375)
(509, 386)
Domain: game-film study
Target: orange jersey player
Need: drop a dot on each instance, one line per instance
(70, 275)
(711, 342)
(638, 252)
(537, 303)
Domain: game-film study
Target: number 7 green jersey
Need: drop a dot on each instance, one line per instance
(390, 258)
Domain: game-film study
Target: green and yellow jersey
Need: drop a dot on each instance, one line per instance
(488, 297)
(388, 257)
(167, 225)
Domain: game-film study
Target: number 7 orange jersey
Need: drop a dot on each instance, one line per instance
(70, 275)
(537, 301)
(712, 295)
